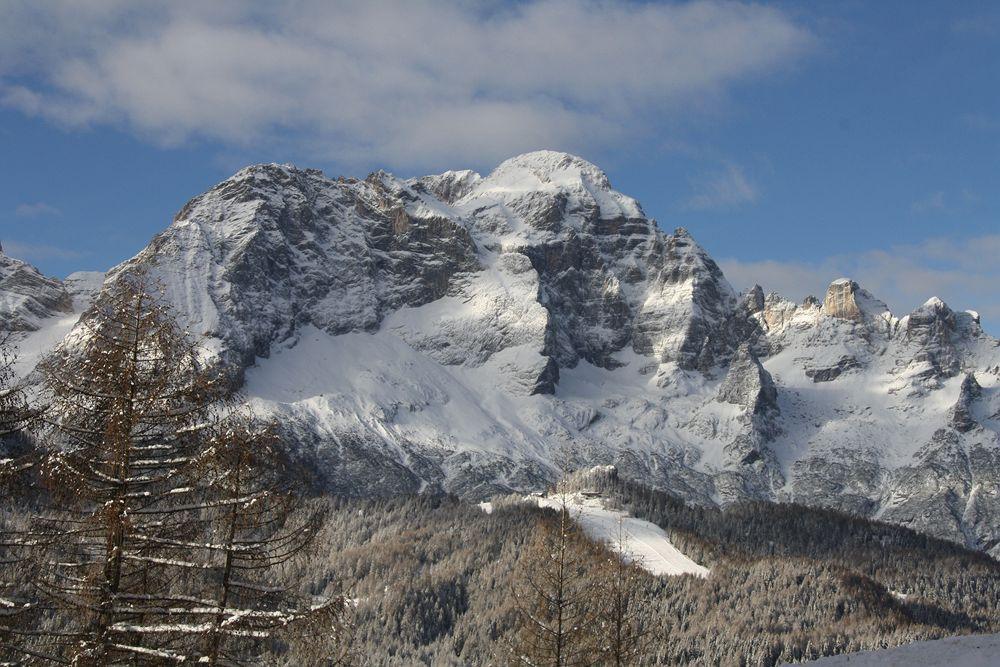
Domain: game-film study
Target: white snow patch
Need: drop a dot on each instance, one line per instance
(32, 346)
(965, 651)
(637, 540)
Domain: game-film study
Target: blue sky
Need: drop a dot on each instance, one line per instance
(797, 141)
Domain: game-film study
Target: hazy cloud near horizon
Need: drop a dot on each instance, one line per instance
(962, 273)
(412, 84)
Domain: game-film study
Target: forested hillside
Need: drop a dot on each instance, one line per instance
(152, 518)
(432, 578)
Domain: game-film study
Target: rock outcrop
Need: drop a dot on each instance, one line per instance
(748, 385)
(478, 334)
(962, 419)
(27, 297)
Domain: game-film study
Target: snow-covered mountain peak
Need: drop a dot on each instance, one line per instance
(933, 302)
(558, 183)
(531, 170)
(477, 334)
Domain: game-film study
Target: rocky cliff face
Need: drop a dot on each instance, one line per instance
(27, 297)
(479, 334)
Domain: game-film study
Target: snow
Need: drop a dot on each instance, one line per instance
(83, 286)
(551, 171)
(406, 395)
(33, 345)
(445, 388)
(639, 541)
(964, 651)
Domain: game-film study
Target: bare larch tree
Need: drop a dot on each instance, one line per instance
(253, 506)
(623, 631)
(554, 594)
(128, 404)
(156, 512)
(18, 612)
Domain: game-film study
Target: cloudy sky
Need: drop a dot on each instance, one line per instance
(797, 141)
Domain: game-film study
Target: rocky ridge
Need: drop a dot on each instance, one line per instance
(484, 333)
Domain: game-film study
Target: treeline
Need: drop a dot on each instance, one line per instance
(435, 582)
(944, 584)
(152, 519)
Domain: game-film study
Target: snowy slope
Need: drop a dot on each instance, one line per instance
(637, 540)
(967, 651)
(27, 298)
(484, 334)
(38, 311)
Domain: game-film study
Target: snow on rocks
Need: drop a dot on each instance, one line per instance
(27, 298)
(483, 335)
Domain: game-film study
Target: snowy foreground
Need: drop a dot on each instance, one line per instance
(966, 651)
(637, 540)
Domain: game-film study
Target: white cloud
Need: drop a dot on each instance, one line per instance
(963, 273)
(981, 121)
(34, 252)
(725, 189)
(934, 202)
(35, 210)
(946, 202)
(407, 83)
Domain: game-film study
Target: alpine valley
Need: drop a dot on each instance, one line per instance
(485, 334)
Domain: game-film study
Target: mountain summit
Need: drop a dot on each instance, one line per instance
(484, 333)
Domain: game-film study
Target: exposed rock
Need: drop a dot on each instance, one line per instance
(932, 328)
(485, 334)
(687, 302)
(961, 415)
(846, 300)
(777, 312)
(840, 302)
(830, 373)
(748, 384)
(27, 297)
(450, 186)
(952, 490)
(753, 300)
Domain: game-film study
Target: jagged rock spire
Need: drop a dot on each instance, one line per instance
(748, 383)
(961, 414)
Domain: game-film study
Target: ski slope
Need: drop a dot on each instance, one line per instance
(639, 541)
(965, 651)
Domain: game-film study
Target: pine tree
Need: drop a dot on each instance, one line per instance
(554, 594)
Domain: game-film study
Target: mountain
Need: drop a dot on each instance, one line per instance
(484, 334)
